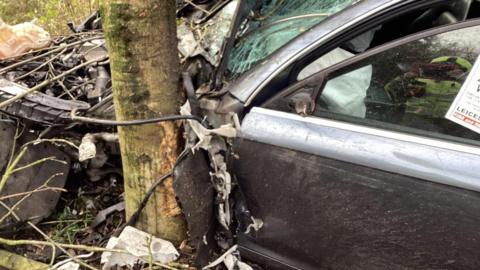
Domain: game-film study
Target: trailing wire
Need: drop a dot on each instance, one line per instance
(107, 122)
(134, 217)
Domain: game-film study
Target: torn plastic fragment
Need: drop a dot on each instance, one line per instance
(213, 141)
(136, 243)
(217, 30)
(102, 215)
(88, 150)
(69, 266)
(188, 45)
(230, 259)
(203, 134)
(256, 225)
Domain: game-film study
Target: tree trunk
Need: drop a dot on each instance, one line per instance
(142, 42)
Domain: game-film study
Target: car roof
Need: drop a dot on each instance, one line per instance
(248, 85)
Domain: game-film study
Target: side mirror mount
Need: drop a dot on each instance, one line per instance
(302, 103)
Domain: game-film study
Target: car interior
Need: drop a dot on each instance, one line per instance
(412, 85)
(414, 22)
(363, 92)
(386, 30)
(442, 14)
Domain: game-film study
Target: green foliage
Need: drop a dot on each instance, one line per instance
(69, 223)
(53, 15)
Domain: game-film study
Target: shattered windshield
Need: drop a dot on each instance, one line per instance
(274, 24)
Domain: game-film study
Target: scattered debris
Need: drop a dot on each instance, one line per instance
(88, 148)
(231, 261)
(74, 72)
(217, 30)
(102, 215)
(187, 43)
(141, 248)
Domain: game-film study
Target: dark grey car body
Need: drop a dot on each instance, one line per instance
(337, 195)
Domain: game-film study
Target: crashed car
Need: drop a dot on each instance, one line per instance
(344, 165)
(344, 158)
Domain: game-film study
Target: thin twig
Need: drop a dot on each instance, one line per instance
(198, 7)
(75, 221)
(47, 82)
(8, 171)
(40, 66)
(25, 242)
(52, 243)
(61, 248)
(150, 253)
(76, 87)
(36, 162)
(14, 144)
(3, 198)
(11, 167)
(61, 47)
(17, 204)
(65, 89)
(60, 264)
(38, 141)
(62, 38)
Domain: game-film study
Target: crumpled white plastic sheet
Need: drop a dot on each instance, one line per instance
(136, 243)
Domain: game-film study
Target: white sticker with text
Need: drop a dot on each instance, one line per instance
(465, 110)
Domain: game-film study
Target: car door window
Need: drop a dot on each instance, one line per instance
(408, 87)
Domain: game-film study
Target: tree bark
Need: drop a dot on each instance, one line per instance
(142, 42)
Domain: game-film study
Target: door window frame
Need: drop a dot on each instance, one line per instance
(315, 83)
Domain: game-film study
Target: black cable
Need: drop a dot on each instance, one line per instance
(134, 218)
(107, 122)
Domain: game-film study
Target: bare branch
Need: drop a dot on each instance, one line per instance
(6, 197)
(61, 47)
(36, 162)
(49, 81)
(40, 66)
(10, 210)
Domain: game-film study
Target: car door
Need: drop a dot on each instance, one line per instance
(355, 167)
